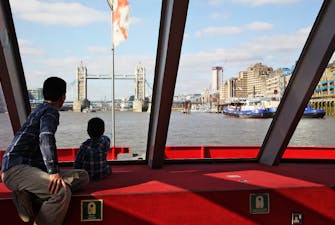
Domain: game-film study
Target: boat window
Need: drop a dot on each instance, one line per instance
(6, 135)
(233, 54)
(316, 126)
(70, 38)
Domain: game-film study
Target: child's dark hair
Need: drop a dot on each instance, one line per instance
(54, 88)
(95, 127)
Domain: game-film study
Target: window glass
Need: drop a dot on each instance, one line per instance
(73, 40)
(314, 129)
(6, 133)
(236, 56)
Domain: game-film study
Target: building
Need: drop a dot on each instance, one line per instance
(272, 84)
(216, 78)
(36, 94)
(257, 76)
(326, 85)
(228, 90)
(241, 85)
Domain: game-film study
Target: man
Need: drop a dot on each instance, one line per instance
(30, 164)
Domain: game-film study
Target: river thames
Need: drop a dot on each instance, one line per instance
(185, 129)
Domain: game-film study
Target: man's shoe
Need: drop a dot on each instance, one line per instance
(23, 203)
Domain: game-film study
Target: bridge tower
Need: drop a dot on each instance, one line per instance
(139, 88)
(81, 88)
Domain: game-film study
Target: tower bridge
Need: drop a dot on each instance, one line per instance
(116, 77)
(81, 86)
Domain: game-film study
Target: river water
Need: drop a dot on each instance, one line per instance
(185, 129)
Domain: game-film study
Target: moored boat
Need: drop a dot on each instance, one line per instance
(313, 113)
(248, 109)
(309, 112)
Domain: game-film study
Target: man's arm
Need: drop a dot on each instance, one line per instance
(48, 127)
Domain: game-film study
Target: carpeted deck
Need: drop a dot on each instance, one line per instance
(205, 194)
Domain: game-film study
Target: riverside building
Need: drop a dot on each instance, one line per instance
(257, 76)
(217, 78)
(36, 94)
(261, 80)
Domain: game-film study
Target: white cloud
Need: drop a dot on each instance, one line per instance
(266, 2)
(272, 50)
(279, 43)
(275, 50)
(221, 16)
(214, 2)
(27, 48)
(102, 64)
(231, 30)
(213, 31)
(57, 13)
(259, 26)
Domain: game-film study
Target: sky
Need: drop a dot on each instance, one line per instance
(56, 36)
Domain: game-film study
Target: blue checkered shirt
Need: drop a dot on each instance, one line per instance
(92, 157)
(35, 144)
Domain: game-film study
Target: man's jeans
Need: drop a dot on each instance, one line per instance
(36, 181)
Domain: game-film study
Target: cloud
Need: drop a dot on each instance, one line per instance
(66, 67)
(278, 43)
(231, 30)
(272, 50)
(214, 2)
(26, 48)
(213, 31)
(266, 2)
(220, 15)
(259, 26)
(57, 13)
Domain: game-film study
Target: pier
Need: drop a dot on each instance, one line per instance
(327, 104)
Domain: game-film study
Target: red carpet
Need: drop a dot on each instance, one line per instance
(205, 194)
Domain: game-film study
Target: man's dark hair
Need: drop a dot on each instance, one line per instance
(54, 88)
(95, 127)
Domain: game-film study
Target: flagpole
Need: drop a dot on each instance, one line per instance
(110, 3)
(113, 97)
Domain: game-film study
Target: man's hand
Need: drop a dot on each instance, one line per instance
(56, 182)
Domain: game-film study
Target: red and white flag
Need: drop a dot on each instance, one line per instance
(120, 21)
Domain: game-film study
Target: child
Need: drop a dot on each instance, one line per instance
(92, 155)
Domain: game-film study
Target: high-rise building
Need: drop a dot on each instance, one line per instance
(217, 78)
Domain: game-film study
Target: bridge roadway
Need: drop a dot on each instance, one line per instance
(116, 77)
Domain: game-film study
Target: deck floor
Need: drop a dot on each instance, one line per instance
(136, 194)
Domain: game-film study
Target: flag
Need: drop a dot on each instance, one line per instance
(120, 21)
